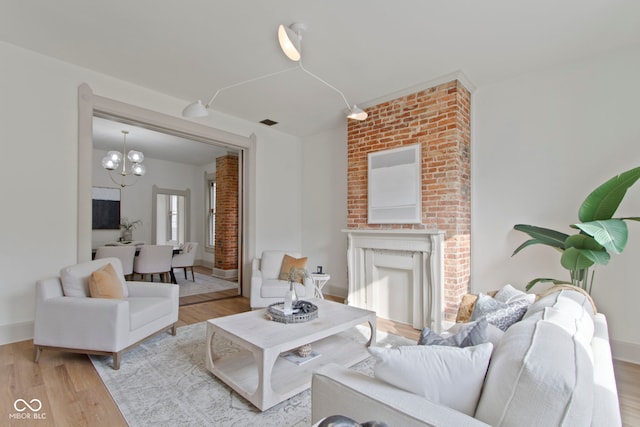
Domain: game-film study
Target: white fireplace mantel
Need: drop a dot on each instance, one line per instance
(417, 254)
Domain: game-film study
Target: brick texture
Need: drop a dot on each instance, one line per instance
(439, 119)
(226, 244)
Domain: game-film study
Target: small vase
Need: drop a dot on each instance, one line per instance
(290, 298)
(127, 235)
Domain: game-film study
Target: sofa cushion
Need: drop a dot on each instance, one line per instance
(75, 278)
(541, 373)
(289, 262)
(104, 283)
(144, 310)
(569, 300)
(467, 335)
(450, 376)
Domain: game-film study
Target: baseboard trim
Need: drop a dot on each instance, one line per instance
(16, 332)
(335, 291)
(625, 351)
(204, 263)
(224, 274)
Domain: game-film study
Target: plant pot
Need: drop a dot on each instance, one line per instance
(127, 235)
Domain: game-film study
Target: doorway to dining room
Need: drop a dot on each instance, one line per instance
(171, 201)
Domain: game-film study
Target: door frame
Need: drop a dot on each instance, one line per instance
(90, 105)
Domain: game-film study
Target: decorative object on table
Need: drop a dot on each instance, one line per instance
(599, 234)
(318, 270)
(304, 350)
(342, 421)
(290, 298)
(276, 313)
(294, 356)
(112, 161)
(127, 228)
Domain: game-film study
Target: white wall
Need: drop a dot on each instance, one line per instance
(136, 200)
(324, 207)
(541, 143)
(38, 179)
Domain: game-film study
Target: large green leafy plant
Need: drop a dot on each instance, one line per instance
(600, 234)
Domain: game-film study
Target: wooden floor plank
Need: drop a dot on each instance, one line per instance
(73, 394)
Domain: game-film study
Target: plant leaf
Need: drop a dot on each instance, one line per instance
(542, 235)
(574, 259)
(604, 200)
(589, 248)
(529, 243)
(611, 233)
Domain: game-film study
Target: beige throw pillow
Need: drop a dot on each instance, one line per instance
(104, 283)
(289, 262)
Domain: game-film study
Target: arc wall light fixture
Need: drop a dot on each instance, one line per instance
(290, 39)
(112, 160)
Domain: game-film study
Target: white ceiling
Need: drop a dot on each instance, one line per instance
(107, 135)
(366, 48)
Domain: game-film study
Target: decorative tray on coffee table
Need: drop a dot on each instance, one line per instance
(275, 312)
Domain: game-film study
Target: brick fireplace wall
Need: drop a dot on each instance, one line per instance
(438, 118)
(226, 244)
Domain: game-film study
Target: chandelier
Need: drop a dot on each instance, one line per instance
(124, 176)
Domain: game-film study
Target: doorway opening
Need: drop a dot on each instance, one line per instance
(186, 214)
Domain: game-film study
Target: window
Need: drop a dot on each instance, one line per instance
(171, 220)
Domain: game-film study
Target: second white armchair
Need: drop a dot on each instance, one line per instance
(267, 287)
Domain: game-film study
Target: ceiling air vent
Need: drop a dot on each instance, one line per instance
(268, 122)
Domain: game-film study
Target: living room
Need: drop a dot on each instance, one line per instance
(547, 127)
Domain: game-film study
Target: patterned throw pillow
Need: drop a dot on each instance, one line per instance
(470, 334)
(499, 313)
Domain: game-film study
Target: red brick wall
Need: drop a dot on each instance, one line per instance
(439, 119)
(226, 244)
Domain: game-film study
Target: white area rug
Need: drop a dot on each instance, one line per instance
(164, 382)
(204, 284)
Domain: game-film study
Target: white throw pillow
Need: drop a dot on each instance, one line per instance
(75, 278)
(509, 294)
(450, 376)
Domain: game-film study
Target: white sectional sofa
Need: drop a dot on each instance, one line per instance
(552, 368)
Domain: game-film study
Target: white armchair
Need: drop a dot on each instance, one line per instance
(266, 288)
(68, 319)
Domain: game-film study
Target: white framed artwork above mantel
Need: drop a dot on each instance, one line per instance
(394, 191)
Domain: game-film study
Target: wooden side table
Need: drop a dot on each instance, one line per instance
(319, 280)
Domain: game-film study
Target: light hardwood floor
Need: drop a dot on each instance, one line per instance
(72, 393)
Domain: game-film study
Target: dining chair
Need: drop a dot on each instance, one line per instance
(125, 254)
(154, 259)
(186, 259)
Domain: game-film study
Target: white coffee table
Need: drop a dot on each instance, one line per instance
(258, 374)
